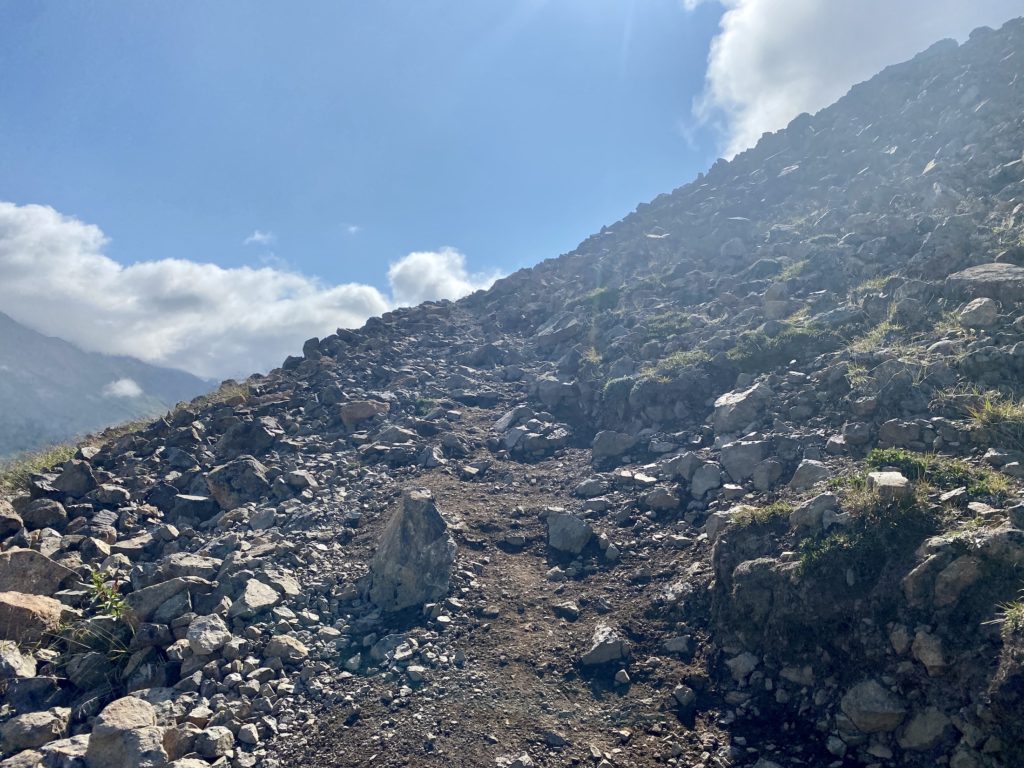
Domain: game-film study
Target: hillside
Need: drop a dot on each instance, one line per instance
(737, 482)
(51, 391)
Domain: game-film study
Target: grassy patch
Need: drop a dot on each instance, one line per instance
(756, 351)
(599, 300)
(1003, 415)
(794, 269)
(1012, 618)
(229, 392)
(857, 376)
(762, 515)
(943, 472)
(879, 531)
(878, 337)
(665, 324)
(15, 474)
(674, 364)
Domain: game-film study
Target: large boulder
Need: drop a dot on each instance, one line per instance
(610, 445)
(873, 708)
(734, 411)
(76, 480)
(356, 412)
(414, 559)
(1001, 281)
(241, 480)
(567, 533)
(249, 438)
(33, 729)
(27, 618)
(28, 571)
(125, 735)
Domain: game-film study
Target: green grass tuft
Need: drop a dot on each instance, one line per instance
(15, 474)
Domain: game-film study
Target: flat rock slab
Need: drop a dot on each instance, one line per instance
(31, 572)
(27, 618)
(1004, 282)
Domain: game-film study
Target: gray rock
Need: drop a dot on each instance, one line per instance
(924, 731)
(76, 480)
(413, 562)
(33, 729)
(980, 313)
(27, 618)
(214, 742)
(605, 646)
(125, 735)
(737, 410)
(44, 513)
(808, 474)
(14, 662)
(873, 708)
(707, 477)
(287, 648)
(255, 598)
(241, 480)
(28, 571)
(207, 635)
(741, 458)
(610, 445)
(567, 533)
(1001, 281)
(890, 485)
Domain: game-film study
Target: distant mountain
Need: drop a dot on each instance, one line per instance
(51, 391)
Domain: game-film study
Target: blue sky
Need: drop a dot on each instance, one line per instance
(508, 130)
(206, 184)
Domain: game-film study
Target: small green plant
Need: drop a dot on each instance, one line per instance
(747, 515)
(104, 597)
(599, 300)
(794, 269)
(15, 474)
(1012, 618)
(592, 356)
(1001, 414)
(756, 351)
(674, 364)
(877, 337)
(873, 284)
(857, 376)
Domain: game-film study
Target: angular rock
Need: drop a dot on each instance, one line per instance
(736, 410)
(28, 571)
(567, 533)
(44, 513)
(241, 480)
(610, 445)
(76, 480)
(287, 648)
(14, 662)
(890, 486)
(255, 598)
(28, 618)
(873, 708)
(207, 635)
(809, 474)
(605, 646)
(1001, 281)
(33, 729)
(413, 562)
(356, 412)
(123, 736)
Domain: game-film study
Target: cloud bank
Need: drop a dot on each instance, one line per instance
(206, 319)
(773, 59)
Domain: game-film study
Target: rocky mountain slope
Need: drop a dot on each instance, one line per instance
(735, 483)
(51, 391)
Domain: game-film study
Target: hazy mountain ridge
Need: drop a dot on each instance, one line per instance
(52, 391)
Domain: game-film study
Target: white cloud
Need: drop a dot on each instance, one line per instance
(259, 237)
(122, 388)
(430, 275)
(773, 59)
(353, 229)
(212, 321)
